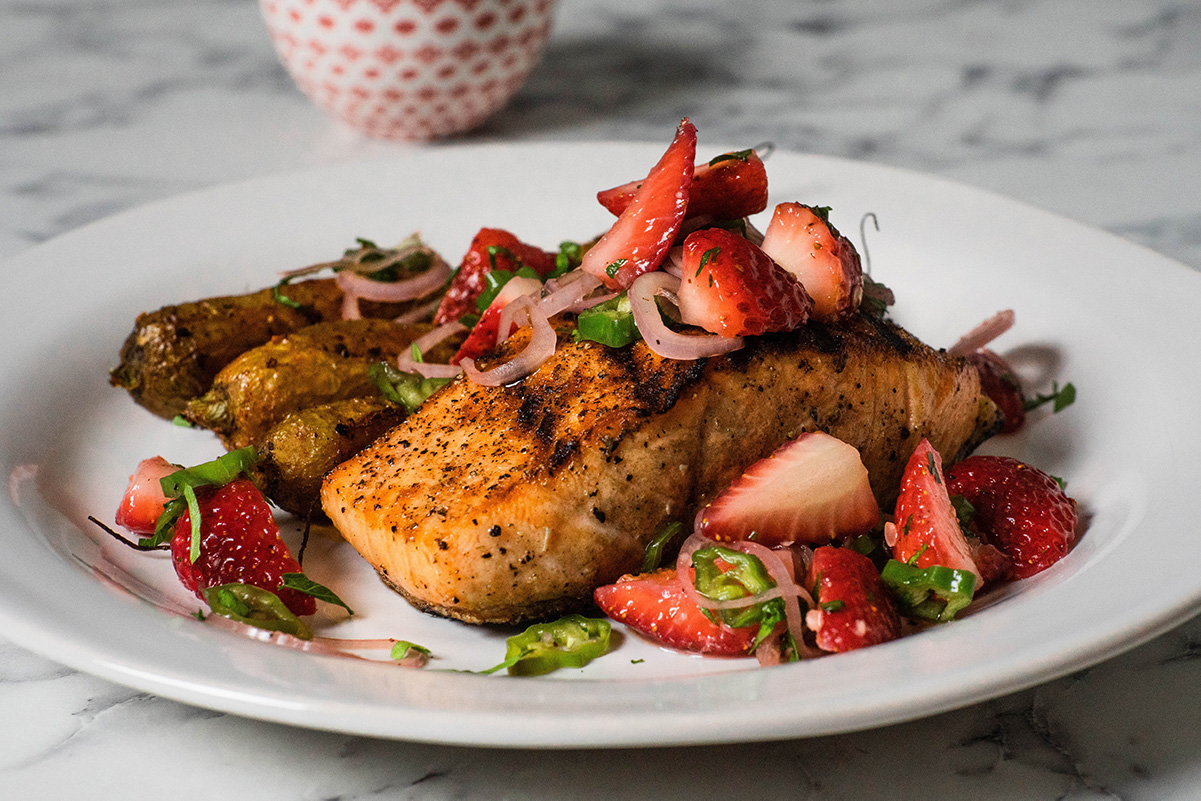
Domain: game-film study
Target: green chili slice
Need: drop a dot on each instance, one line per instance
(653, 557)
(570, 642)
(255, 606)
(743, 575)
(933, 593)
(610, 323)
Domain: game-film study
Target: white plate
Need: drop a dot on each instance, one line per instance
(1116, 318)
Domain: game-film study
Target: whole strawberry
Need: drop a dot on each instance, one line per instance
(1019, 509)
(239, 544)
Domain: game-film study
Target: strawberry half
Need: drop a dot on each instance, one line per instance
(239, 544)
(812, 490)
(731, 287)
(655, 604)
(642, 235)
(927, 529)
(854, 608)
(491, 249)
(144, 499)
(1019, 509)
(482, 338)
(729, 187)
(801, 240)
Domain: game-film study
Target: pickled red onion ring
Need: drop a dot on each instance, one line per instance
(419, 313)
(982, 334)
(540, 348)
(661, 339)
(406, 363)
(418, 286)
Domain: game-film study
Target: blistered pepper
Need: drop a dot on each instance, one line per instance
(933, 593)
(740, 575)
(569, 642)
(256, 607)
(610, 323)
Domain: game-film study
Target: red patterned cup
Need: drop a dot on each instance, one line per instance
(409, 69)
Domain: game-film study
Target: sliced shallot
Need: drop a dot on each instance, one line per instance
(418, 286)
(661, 339)
(540, 348)
(406, 363)
(982, 334)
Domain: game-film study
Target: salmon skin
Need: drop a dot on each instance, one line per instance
(506, 504)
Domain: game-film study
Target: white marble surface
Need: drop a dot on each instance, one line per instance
(1089, 108)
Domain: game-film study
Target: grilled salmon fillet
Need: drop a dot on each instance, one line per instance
(505, 504)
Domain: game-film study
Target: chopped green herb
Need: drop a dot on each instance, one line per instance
(964, 511)
(707, 257)
(1060, 398)
(637, 661)
(832, 606)
(280, 297)
(406, 389)
(180, 489)
(500, 250)
(402, 647)
(570, 642)
(612, 269)
(822, 212)
(302, 583)
(932, 466)
(653, 558)
(738, 155)
(568, 258)
(181, 421)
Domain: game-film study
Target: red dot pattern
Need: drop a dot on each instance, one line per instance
(409, 69)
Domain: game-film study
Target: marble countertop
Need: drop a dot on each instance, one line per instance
(1090, 108)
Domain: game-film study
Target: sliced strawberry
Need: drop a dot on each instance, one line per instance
(144, 499)
(730, 186)
(802, 241)
(854, 608)
(483, 335)
(927, 529)
(239, 544)
(1018, 508)
(731, 287)
(1001, 385)
(812, 490)
(654, 604)
(491, 249)
(642, 235)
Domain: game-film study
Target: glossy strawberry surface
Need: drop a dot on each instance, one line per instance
(854, 608)
(641, 236)
(729, 286)
(144, 499)
(1019, 509)
(491, 249)
(802, 241)
(728, 187)
(655, 605)
(928, 530)
(239, 543)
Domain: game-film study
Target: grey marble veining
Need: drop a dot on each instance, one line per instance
(1089, 108)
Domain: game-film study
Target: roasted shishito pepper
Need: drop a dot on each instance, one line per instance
(320, 364)
(173, 354)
